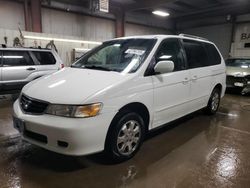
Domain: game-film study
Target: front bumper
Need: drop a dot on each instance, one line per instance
(82, 135)
(237, 82)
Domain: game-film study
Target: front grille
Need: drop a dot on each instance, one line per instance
(232, 79)
(32, 106)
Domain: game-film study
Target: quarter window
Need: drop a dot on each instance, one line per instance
(44, 58)
(196, 54)
(170, 49)
(214, 56)
(16, 58)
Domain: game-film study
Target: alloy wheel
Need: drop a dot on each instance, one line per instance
(129, 137)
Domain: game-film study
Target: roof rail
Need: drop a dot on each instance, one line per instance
(192, 36)
(22, 47)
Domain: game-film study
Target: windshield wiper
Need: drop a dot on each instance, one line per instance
(96, 67)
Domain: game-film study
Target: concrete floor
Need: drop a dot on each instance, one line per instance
(196, 151)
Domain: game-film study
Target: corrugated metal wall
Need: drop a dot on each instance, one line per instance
(133, 29)
(65, 23)
(11, 15)
(90, 27)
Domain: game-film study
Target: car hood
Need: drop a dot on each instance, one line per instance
(238, 71)
(72, 85)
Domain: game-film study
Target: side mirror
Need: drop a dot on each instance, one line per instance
(164, 67)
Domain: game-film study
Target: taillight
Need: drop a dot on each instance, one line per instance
(62, 66)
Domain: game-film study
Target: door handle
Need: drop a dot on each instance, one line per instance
(194, 78)
(185, 81)
(30, 69)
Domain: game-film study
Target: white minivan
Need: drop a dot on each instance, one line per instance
(113, 95)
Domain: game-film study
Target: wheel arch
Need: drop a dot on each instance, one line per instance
(219, 86)
(136, 107)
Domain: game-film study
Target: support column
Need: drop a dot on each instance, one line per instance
(27, 15)
(36, 16)
(120, 24)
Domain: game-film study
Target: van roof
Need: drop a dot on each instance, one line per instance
(25, 49)
(160, 37)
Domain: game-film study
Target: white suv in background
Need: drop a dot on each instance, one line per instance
(113, 95)
(18, 66)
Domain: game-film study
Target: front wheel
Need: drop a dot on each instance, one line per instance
(214, 102)
(125, 137)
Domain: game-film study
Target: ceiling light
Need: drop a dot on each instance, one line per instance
(161, 13)
(61, 40)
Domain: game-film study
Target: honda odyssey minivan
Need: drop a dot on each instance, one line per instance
(111, 97)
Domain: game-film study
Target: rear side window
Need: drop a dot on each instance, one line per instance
(44, 58)
(196, 54)
(214, 56)
(16, 58)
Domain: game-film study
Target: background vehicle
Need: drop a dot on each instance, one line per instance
(18, 66)
(118, 92)
(238, 74)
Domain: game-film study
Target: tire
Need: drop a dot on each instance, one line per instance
(125, 136)
(214, 102)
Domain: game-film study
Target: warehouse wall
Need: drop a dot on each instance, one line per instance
(219, 34)
(65, 49)
(220, 31)
(65, 23)
(240, 46)
(11, 15)
(72, 24)
(133, 29)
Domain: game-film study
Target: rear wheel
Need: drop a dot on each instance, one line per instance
(125, 136)
(214, 102)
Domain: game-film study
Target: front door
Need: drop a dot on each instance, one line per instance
(17, 66)
(171, 90)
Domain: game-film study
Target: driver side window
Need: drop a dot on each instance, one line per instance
(170, 50)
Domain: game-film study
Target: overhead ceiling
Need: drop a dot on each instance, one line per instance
(178, 9)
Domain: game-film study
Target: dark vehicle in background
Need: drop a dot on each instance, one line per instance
(19, 66)
(238, 74)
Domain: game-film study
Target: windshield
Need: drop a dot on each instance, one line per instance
(124, 56)
(243, 63)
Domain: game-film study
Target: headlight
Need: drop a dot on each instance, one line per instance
(74, 111)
